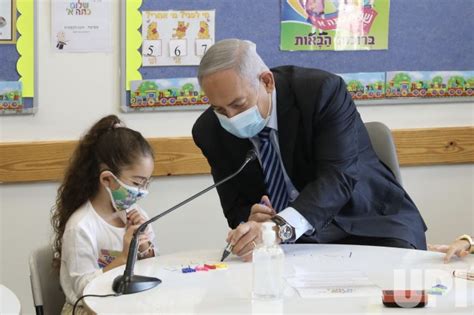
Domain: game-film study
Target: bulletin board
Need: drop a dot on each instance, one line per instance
(18, 84)
(422, 37)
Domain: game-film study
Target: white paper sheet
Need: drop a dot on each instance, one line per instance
(6, 21)
(333, 284)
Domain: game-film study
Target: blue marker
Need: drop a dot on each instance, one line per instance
(188, 270)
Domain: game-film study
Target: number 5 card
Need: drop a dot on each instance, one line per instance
(176, 38)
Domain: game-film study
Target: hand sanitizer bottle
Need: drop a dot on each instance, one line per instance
(268, 263)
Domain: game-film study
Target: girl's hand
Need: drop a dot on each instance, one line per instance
(459, 248)
(135, 217)
(122, 258)
(127, 239)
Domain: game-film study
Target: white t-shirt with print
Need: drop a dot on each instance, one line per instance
(89, 244)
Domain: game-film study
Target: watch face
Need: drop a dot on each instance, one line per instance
(285, 232)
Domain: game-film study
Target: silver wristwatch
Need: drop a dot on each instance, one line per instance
(286, 232)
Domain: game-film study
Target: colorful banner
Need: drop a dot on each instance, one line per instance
(334, 24)
(166, 93)
(430, 83)
(17, 67)
(11, 99)
(399, 84)
(365, 85)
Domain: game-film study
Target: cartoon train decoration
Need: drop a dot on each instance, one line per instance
(153, 98)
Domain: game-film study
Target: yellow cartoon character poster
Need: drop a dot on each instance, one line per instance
(176, 38)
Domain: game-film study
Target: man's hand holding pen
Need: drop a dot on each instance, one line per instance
(243, 239)
(263, 211)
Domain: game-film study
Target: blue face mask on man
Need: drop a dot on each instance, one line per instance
(246, 124)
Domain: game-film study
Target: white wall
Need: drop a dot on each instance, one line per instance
(77, 89)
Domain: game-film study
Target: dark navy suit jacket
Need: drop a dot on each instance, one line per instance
(328, 156)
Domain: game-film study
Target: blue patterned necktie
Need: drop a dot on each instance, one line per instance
(273, 172)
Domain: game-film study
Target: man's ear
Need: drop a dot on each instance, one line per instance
(268, 80)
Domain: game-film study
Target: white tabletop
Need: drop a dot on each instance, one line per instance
(9, 303)
(229, 291)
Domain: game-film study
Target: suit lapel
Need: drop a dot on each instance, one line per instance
(238, 147)
(252, 174)
(287, 115)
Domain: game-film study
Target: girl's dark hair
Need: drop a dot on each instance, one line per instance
(107, 142)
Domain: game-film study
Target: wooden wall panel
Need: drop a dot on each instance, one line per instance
(429, 146)
(45, 161)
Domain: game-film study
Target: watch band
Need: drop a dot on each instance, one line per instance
(278, 220)
(468, 238)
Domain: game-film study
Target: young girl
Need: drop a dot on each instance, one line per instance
(96, 213)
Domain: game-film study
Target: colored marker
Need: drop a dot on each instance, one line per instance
(221, 266)
(188, 270)
(210, 266)
(201, 268)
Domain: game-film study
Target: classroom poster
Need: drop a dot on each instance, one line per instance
(365, 85)
(334, 24)
(430, 83)
(17, 66)
(166, 93)
(176, 38)
(81, 25)
(11, 96)
(7, 21)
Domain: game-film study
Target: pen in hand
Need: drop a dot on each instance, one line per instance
(227, 251)
(228, 248)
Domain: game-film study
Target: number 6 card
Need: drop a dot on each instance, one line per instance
(178, 48)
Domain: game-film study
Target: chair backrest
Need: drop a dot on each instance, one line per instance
(47, 294)
(382, 142)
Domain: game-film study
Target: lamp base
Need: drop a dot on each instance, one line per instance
(134, 284)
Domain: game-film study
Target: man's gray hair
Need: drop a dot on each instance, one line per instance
(237, 54)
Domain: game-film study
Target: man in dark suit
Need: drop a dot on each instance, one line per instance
(316, 176)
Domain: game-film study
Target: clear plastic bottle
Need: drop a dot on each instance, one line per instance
(268, 263)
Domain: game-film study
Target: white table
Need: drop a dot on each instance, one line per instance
(9, 303)
(229, 291)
